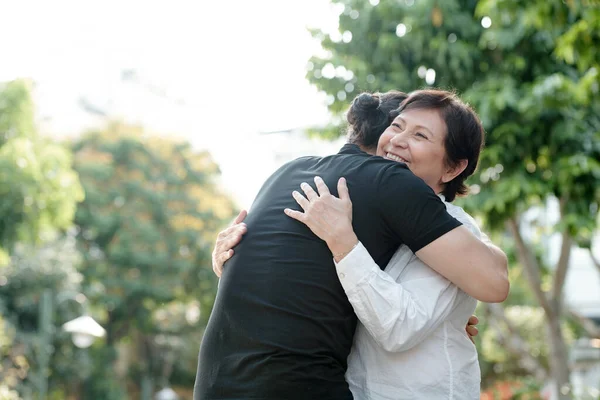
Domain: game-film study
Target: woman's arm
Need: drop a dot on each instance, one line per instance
(398, 315)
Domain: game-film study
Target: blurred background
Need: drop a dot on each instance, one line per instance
(132, 132)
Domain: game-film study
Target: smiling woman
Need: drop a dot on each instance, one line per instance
(420, 146)
(439, 138)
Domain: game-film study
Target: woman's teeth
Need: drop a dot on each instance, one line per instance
(395, 158)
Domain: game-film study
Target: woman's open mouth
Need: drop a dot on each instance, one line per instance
(394, 157)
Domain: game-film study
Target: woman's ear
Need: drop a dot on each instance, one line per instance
(454, 171)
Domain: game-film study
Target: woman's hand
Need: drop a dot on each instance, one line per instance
(328, 217)
(226, 241)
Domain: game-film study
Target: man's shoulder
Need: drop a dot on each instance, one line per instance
(297, 164)
(304, 159)
(383, 167)
(464, 217)
(397, 177)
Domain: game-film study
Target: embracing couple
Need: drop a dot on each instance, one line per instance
(356, 275)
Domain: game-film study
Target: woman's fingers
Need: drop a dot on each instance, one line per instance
(301, 200)
(309, 191)
(321, 186)
(220, 261)
(240, 218)
(343, 189)
(297, 215)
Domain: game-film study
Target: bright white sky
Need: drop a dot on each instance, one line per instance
(239, 65)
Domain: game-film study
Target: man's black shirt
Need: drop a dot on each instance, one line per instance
(282, 326)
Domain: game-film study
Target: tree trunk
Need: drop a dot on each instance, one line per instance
(559, 357)
(595, 261)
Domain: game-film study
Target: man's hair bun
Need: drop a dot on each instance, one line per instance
(370, 114)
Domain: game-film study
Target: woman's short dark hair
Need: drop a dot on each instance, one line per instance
(465, 134)
(369, 116)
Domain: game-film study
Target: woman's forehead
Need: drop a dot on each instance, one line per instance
(430, 119)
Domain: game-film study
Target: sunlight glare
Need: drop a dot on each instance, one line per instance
(328, 71)
(400, 30)
(347, 37)
(430, 76)
(486, 22)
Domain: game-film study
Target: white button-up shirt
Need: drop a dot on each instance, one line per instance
(410, 342)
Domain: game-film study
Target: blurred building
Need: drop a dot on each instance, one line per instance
(582, 286)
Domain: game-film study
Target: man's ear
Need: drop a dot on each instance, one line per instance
(454, 171)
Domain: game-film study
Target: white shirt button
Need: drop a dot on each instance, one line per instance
(342, 275)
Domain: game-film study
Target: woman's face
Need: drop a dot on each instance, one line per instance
(416, 137)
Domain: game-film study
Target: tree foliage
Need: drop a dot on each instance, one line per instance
(146, 229)
(39, 190)
(32, 269)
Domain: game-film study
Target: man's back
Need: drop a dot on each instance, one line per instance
(282, 327)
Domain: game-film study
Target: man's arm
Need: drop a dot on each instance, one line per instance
(420, 219)
(479, 269)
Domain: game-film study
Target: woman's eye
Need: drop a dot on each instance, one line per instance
(419, 134)
(396, 126)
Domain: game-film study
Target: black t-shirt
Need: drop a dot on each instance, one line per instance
(282, 326)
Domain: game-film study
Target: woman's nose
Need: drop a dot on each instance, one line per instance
(398, 140)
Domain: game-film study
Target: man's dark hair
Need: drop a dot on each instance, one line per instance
(370, 115)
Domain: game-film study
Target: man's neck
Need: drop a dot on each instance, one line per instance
(368, 150)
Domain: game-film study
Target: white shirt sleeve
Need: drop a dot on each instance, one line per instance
(399, 315)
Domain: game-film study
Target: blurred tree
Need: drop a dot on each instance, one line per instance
(51, 265)
(531, 71)
(14, 366)
(146, 228)
(39, 192)
(38, 188)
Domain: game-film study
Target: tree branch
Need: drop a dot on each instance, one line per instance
(531, 266)
(590, 327)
